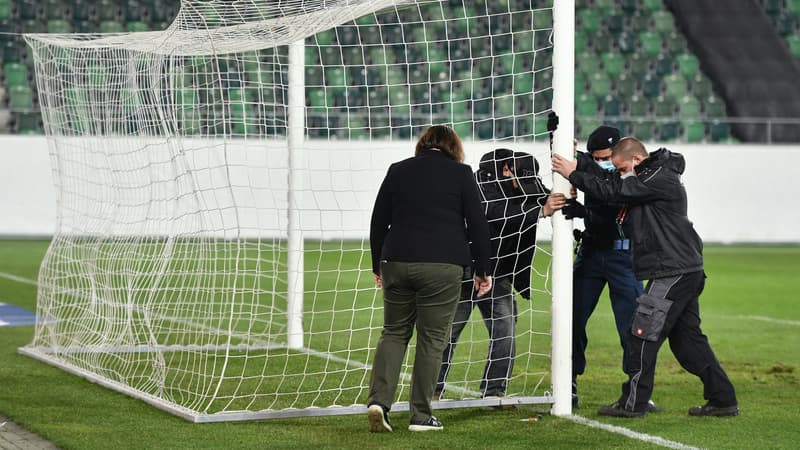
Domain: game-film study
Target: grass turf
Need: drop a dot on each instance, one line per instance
(748, 313)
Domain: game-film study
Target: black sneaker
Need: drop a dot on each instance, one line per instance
(432, 424)
(715, 411)
(615, 410)
(575, 402)
(378, 418)
(652, 407)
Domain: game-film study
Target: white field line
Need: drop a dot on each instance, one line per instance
(630, 433)
(793, 323)
(325, 355)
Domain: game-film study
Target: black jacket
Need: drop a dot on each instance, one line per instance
(601, 217)
(512, 213)
(428, 209)
(665, 242)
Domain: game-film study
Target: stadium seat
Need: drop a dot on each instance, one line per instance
(674, 86)
(651, 43)
(637, 66)
(669, 131)
(20, 98)
(133, 10)
(663, 106)
(599, 85)
(523, 82)
(675, 43)
(700, 86)
(589, 21)
(604, 7)
(34, 26)
(138, 26)
(663, 22)
(793, 7)
(638, 106)
(613, 63)
(586, 106)
(28, 12)
(794, 45)
(688, 65)
(111, 26)
(107, 10)
(714, 106)
(689, 107)
(719, 131)
(694, 131)
(651, 86)
(58, 26)
(55, 10)
(643, 129)
(663, 65)
(6, 9)
(626, 42)
(652, 5)
(16, 74)
(29, 123)
(625, 84)
(612, 106)
(615, 23)
(587, 63)
(629, 7)
(81, 10)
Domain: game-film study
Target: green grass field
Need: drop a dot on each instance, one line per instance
(749, 316)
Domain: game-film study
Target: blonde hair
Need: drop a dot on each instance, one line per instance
(628, 147)
(444, 139)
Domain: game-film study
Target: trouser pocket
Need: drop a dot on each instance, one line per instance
(650, 316)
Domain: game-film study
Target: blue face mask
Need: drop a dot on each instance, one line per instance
(606, 165)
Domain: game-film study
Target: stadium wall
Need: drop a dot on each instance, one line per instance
(737, 193)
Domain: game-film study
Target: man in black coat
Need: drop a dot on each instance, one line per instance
(668, 252)
(514, 199)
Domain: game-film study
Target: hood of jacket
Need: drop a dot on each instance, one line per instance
(666, 159)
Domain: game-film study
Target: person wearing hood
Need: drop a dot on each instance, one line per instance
(667, 252)
(514, 199)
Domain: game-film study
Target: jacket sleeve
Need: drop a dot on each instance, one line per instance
(631, 190)
(379, 225)
(477, 225)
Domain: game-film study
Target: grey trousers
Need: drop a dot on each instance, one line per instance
(424, 295)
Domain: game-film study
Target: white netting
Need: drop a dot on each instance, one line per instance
(167, 274)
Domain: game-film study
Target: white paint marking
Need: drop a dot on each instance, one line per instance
(630, 433)
(8, 276)
(795, 323)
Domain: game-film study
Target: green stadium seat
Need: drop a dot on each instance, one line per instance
(504, 106)
(58, 26)
(29, 123)
(651, 86)
(694, 131)
(27, 12)
(643, 129)
(675, 43)
(652, 5)
(688, 65)
(663, 106)
(612, 106)
(626, 42)
(111, 26)
(20, 98)
(580, 84)
(700, 86)
(714, 107)
(138, 26)
(604, 7)
(615, 23)
(542, 19)
(663, 22)
(133, 10)
(34, 26)
(625, 85)
(589, 21)
(793, 7)
(603, 41)
(613, 63)
(637, 66)
(587, 63)
(669, 131)
(689, 107)
(523, 82)
(16, 74)
(581, 42)
(772, 7)
(6, 9)
(107, 10)
(54, 9)
(599, 85)
(586, 106)
(675, 86)
(664, 65)
(81, 10)
(719, 131)
(638, 106)
(629, 7)
(794, 45)
(651, 43)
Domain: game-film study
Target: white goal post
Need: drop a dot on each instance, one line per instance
(215, 180)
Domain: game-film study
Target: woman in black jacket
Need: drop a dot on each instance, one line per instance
(427, 225)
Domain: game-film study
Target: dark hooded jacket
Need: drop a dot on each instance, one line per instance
(665, 242)
(512, 213)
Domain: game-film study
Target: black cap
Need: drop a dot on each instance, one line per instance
(601, 138)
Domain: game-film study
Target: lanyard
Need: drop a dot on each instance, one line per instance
(623, 213)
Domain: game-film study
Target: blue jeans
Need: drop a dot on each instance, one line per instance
(593, 268)
(499, 311)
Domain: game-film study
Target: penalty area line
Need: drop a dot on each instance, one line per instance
(629, 433)
(18, 279)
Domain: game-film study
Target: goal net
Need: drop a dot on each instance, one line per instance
(215, 182)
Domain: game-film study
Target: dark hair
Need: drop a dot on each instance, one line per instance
(442, 138)
(628, 147)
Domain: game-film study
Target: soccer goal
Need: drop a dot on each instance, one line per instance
(215, 182)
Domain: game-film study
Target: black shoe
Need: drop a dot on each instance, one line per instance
(652, 407)
(432, 424)
(575, 402)
(716, 411)
(378, 418)
(615, 410)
